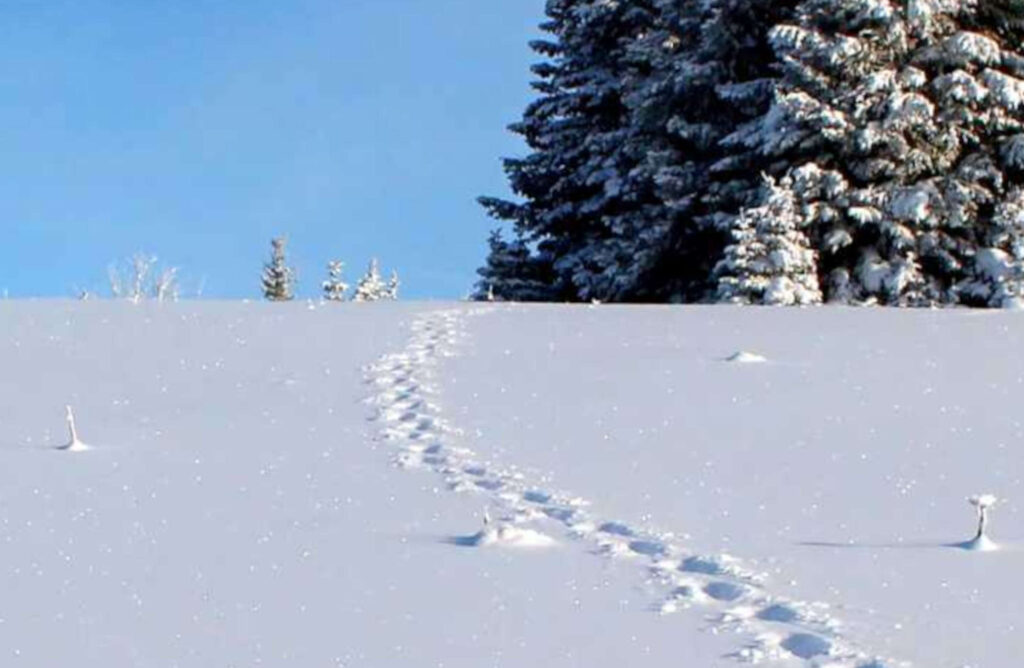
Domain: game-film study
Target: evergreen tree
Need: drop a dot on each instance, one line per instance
(1007, 16)
(900, 124)
(278, 278)
(335, 286)
(370, 287)
(997, 273)
(770, 260)
(579, 205)
(513, 273)
(629, 189)
(705, 71)
(905, 118)
(391, 292)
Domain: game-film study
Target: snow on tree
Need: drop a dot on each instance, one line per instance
(901, 125)
(628, 189)
(335, 286)
(580, 206)
(997, 273)
(391, 292)
(142, 277)
(278, 278)
(705, 70)
(770, 260)
(912, 112)
(513, 273)
(371, 287)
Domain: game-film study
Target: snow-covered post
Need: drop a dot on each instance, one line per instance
(74, 443)
(981, 541)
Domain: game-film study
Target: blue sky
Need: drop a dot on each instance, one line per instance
(198, 130)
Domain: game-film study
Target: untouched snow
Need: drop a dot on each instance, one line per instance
(502, 485)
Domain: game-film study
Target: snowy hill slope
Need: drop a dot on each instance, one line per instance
(235, 509)
(246, 500)
(838, 467)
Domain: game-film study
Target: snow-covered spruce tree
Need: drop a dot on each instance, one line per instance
(997, 273)
(704, 70)
(513, 273)
(905, 118)
(278, 278)
(770, 260)
(371, 287)
(580, 207)
(391, 292)
(334, 286)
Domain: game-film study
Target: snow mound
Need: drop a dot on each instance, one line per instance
(506, 535)
(74, 446)
(980, 544)
(746, 357)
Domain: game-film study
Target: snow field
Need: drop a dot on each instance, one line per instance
(768, 627)
(838, 469)
(237, 506)
(235, 510)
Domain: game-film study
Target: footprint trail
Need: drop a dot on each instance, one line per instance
(769, 629)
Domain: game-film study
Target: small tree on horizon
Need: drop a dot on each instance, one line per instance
(278, 278)
(141, 277)
(370, 287)
(391, 291)
(335, 287)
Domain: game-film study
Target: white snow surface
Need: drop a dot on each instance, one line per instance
(274, 484)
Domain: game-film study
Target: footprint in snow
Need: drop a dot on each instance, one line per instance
(724, 591)
(807, 645)
(616, 529)
(779, 612)
(648, 548)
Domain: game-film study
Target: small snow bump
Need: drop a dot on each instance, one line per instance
(746, 357)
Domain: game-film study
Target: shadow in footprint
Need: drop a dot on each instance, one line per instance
(806, 645)
(616, 529)
(724, 591)
(559, 514)
(462, 541)
(779, 613)
(700, 565)
(648, 548)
